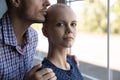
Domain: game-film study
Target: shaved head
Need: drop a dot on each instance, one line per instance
(60, 22)
(58, 6)
(58, 10)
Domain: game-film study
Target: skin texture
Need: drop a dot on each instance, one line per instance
(22, 14)
(60, 29)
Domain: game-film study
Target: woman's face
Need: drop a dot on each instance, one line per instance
(61, 29)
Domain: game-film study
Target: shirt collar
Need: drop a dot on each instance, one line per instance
(8, 32)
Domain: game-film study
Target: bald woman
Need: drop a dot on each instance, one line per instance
(60, 29)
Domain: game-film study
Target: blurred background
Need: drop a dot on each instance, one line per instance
(97, 43)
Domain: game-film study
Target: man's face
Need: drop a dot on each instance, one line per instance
(33, 11)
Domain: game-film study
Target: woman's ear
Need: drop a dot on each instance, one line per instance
(15, 3)
(44, 30)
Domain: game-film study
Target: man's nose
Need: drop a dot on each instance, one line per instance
(46, 3)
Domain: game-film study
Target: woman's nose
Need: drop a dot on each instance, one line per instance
(68, 29)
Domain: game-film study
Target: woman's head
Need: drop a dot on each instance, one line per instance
(60, 25)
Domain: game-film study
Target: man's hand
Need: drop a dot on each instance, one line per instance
(45, 74)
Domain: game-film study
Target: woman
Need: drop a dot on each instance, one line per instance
(60, 29)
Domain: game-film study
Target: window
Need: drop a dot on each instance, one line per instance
(114, 39)
(3, 7)
(91, 43)
(96, 49)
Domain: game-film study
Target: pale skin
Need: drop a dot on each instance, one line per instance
(22, 14)
(60, 29)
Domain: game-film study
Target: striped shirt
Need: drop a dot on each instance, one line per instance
(15, 61)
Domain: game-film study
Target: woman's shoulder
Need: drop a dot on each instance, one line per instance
(70, 59)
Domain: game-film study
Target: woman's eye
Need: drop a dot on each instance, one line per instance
(60, 24)
(73, 24)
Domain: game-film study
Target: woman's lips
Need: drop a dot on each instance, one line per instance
(68, 38)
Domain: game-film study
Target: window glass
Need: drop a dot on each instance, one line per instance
(3, 7)
(91, 43)
(115, 39)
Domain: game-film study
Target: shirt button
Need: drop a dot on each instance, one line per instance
(18, 48)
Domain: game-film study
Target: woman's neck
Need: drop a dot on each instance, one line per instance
(59, 58)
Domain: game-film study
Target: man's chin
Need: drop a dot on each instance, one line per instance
(40, 21)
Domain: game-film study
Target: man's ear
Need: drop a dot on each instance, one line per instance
(15, 3)
(44, 31)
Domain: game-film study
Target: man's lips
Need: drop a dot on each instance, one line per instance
(44, 12)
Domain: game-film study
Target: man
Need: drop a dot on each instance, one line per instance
(18, 40)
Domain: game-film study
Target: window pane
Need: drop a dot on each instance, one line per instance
(91, 43)
(3, 7)
(115, 39)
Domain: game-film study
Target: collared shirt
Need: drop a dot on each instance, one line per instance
(15, 61)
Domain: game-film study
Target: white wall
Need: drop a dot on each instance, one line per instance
(3, 7)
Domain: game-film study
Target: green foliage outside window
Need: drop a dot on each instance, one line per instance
(94, 17)
(115, 21)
